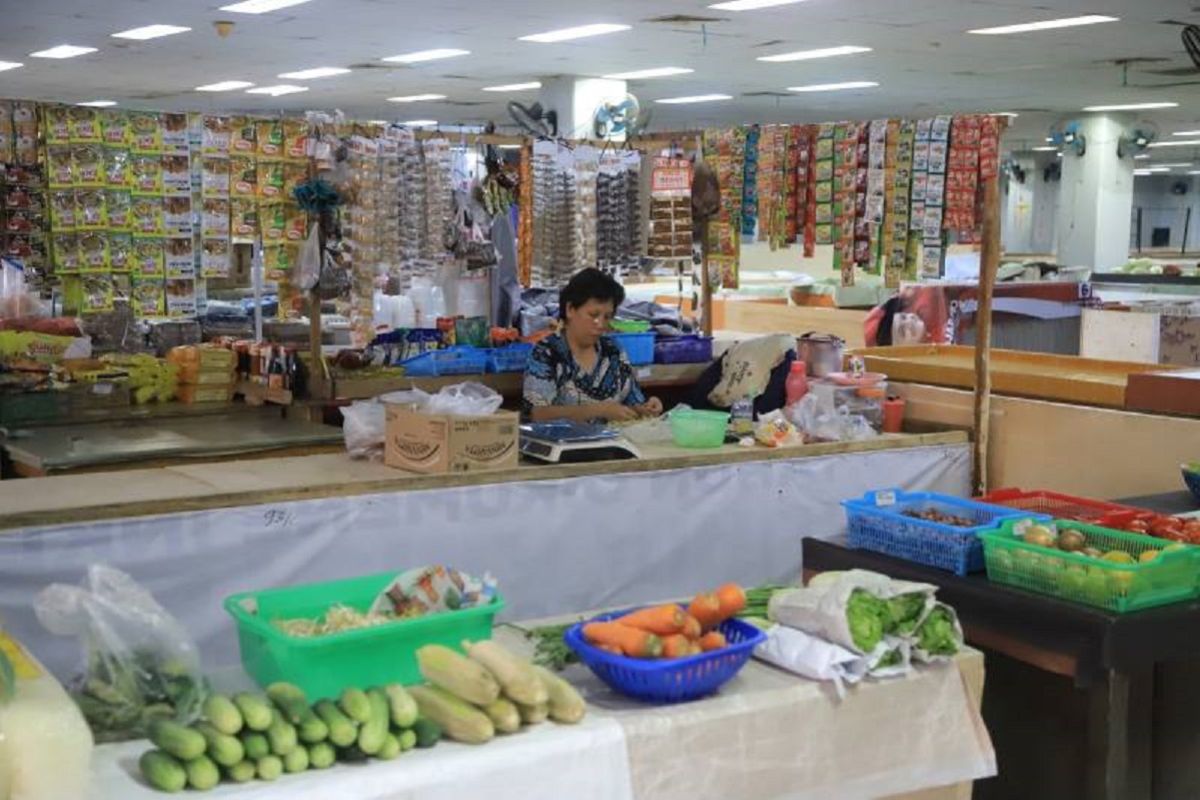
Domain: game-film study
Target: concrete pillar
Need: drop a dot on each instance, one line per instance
(1096, 197)
(1031, 208)
(576, 100)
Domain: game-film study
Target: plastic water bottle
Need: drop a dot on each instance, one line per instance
(797, 383)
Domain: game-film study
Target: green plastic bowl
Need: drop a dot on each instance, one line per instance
(323, 666)
(692, 428)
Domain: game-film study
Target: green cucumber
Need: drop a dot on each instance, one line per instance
(408, 740)
(242, 772)
(223, 749)
(269, 768)
(403, 707)
(256, 745)
(312, 729)
(342, 732)
(202, 773)
(296, 761)
(163, 771)
(256, 712)
(178, 740)
(290, 700)
(321, 755)
(354, 704)
(282, 736)
(390, 748)
(428, 732)
(223, 714)
(371, 735)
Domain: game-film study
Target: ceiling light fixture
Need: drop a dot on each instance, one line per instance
(7, 65)
(578, 32)
(1141, 157)
(1049, 149)
(224, 86)
(1009, 114)
(1171, 166)
(509, 146)
(1194, 172)
(421, 56)
(1186, 133)
(751, 5)
(643, 74)
(1132, 107)
(1180, 143)
(261, 6)
(278, 90)
(98, 103)
(150, 32)
(833, 87)
(420, 123)
(315, 72)
(696, 98)
(1045, 25)
(63, 51)
(1141, 173)
(416, 98)
(824, 52)
(514, 87)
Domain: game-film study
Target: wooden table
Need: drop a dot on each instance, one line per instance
(1111, 659)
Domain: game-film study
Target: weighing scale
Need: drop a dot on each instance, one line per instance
(573, 442)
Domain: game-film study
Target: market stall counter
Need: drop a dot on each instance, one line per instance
(659, 524)
(766, 734)
(1128, 742)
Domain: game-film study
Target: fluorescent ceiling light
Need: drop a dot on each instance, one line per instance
(7, 65)
(278, 89)
(1044, 149)
(98, 103)
(578, 32)
(315, 72)
(643, 74)
(427, 55)
(1194, 172)
(1186, 133)
(833, 87)
(509, 146)
(224, 86)
(1137, 173)
(420, 123)
(1170, 166)
(416, 98)
(1180, 143)
(1132, 107)
(378, 122)
(150, 32)
(1141, 156)
(696, 98)
(63, 51)
(1155, 169)
(1045, 25)
(261, 6)
(1049, 138)
(824, 52)
(1009, 114)
(514, 87)
(751, 5)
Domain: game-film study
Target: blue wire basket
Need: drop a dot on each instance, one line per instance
(675, 680)
(461, 360)
(877, 522)
(509, 359)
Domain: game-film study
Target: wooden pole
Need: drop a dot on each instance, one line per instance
(706, 293)
(989, 263)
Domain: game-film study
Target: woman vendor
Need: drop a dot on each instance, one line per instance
(579, 374)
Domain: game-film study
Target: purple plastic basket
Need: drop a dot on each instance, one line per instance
(690, 349)
(675, 680)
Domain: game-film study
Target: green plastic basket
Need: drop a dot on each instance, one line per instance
(629, 326)
(324, 666)
(1170, 578)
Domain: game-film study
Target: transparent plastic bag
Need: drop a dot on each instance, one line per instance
(308, 268)
(140, 664)
(464, 399)
(363, 426)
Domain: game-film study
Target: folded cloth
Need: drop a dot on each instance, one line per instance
(746, 368)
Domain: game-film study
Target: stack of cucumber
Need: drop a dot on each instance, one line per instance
(490, 690)
(250, 736)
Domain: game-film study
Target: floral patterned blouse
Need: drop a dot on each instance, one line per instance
(554, 378)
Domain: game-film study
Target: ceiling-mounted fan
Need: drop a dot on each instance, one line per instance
(534, 120)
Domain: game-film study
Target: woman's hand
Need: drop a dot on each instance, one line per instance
(616, 412)
(651, 408)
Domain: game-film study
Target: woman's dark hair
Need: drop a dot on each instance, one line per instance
(589, 284)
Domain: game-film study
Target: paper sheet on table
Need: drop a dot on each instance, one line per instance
(581, 762)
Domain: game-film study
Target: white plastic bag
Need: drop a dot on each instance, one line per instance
(140, 664)
(363, 426)
(308, 267)
(464, 399)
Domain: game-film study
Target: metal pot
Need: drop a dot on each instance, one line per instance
(822, 352)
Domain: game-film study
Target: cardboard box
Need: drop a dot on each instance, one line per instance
(431, 443)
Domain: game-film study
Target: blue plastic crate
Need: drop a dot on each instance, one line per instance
(460, 360)
(639, 347)
(509, 359)
(877, 522)
(689, 349)
(675, 680)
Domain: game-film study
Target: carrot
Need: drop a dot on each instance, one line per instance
(611, 648)
(707, 609)
(661, 620)
(732, 599)
(676, 646)
(633, 642)
(691, 627)
(696, 649)
(712, 640)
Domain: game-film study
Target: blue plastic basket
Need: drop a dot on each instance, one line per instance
(1192, 479)
(688, 349)
(674, 680)
(639, 347)
(509, 359)
(878, 522)
(462, 360)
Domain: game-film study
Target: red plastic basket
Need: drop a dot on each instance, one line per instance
(1059, 506)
